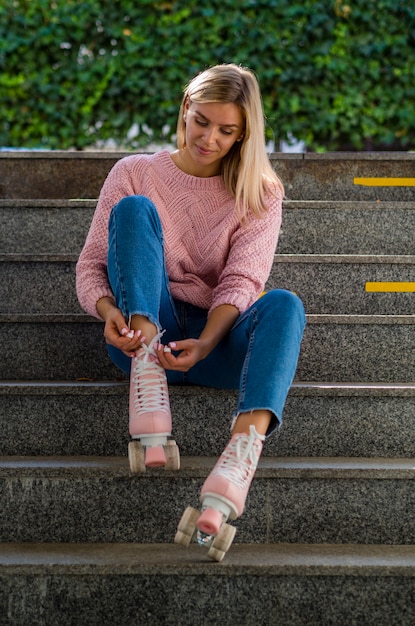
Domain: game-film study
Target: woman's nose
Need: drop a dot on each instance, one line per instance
(210, 135)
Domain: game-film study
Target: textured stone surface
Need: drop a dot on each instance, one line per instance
(309, 227)
(306, 176)
(91, 419)
(337, 284)
(335, 348)
(291, 500)
(340, 470)
(256, 586)
(327, 284)
(265, 560)
(331, 176)
(54, 174)
(44, 226)
(347, 227)
(38, 285)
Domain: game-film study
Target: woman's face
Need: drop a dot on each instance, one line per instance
(211, 130)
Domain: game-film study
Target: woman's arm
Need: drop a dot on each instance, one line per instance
(250, 259)
(91, 270)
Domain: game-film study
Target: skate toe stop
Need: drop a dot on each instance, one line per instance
(210, 522)
(155, 457)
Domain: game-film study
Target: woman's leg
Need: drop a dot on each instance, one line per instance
(259, 356)
(137, 275)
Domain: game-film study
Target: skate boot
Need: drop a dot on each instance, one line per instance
(223, 496)
(150, 417)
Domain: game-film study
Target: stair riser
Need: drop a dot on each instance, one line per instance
(31, 231)
(313, 426)
(324, 287)
(332, 177)
(105, 599)
(330, 352)
(333, 229)
(347, 230)
(115, 507)
(340, 288)
(38, 287)
(306, 177)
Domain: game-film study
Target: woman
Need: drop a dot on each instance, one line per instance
(179, 250)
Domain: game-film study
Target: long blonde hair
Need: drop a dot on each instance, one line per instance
(246, 169)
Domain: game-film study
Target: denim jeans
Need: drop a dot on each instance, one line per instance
(258, 356)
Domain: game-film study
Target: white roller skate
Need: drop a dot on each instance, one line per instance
(150, 416)
(223, 496)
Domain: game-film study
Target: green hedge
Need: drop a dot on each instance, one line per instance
(333, 73)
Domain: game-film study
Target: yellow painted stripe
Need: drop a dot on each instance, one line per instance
(385, 182)
(380, 287)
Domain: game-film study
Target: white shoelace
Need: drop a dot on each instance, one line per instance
(240, 459)
(149, 381)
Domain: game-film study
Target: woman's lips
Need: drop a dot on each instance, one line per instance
(203, 151)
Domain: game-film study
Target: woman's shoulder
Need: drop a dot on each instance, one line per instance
(142, 161)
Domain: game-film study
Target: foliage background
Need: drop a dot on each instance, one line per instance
(333, 73)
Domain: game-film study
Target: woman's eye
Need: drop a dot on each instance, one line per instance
(200, 123)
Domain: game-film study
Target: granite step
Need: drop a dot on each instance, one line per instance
(327, 537)
(333, 284)
(335, 176)
(347, 227)
(50, 226)
(309, 227)
(295, 584)
(330, 176)
(293, 500)
(327, 284)
(320, 419)
(337, 348)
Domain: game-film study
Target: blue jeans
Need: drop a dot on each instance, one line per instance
(258, 356)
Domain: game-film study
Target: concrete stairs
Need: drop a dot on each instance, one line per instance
(328, 533)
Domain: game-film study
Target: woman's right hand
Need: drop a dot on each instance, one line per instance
(116, 331)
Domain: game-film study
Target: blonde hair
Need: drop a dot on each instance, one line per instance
(246, 169)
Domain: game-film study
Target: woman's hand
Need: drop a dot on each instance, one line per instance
(190, 352)
(116, 330)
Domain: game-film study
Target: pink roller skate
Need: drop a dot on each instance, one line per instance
(150, 416)
(223, 496)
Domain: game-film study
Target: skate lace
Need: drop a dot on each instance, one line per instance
(240, 458)
(150, 388)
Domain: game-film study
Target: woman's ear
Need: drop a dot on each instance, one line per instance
(186, 107)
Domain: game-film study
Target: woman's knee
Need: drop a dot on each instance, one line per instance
(282, 300)
(136, 210)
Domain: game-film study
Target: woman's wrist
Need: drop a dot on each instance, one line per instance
(104, 306)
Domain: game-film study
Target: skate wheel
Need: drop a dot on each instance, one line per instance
(136, 457)
(210, 521)
(155, 457)
(222, 542)
(186, 527)
(172, 455)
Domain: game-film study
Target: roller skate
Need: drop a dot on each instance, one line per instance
(222, 496)
(150, 416)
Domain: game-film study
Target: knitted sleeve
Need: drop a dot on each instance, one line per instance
(91, 270)
(250, 259)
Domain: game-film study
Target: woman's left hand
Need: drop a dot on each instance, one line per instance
(190, 352)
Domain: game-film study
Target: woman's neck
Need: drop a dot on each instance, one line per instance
(182, 159)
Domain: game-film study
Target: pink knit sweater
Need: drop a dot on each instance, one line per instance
(210, 258)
